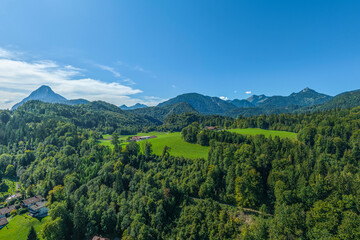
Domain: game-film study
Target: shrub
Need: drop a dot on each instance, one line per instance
(13, 213)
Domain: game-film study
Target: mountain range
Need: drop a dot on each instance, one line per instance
(46, 94)
(256, 104)
(306, 100)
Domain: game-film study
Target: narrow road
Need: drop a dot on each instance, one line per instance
(234, 206)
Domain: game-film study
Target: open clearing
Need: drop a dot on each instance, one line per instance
(181, 148)
(267, 133)
(173, 140)
(19, 227)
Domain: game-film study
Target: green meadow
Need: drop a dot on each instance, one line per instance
(19, 227)
(173, 140)
(266, 133)
(181, 148)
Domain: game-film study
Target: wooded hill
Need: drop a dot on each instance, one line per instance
(250, 187)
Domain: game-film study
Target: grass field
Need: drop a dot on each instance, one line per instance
(173, 140)
(106, 141)
(181, 148)
(267, 133)
(19, 227)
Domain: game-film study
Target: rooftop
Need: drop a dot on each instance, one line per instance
(38, 206)
(33, 200)
(3, 221)
(7, 210)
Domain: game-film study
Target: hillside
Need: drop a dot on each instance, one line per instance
(202, 104)
(267, 110)
(257, 99)
(343, 100)
(183, 180)
(241, 103)
(96, 114)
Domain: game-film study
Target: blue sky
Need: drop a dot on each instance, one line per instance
(148, 51)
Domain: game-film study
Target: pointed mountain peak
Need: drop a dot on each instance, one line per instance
(44, 89)
(46, 94)
(307, 89)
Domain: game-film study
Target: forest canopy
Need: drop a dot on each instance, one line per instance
(250, 187)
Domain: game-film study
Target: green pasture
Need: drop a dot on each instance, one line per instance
(19, 227)
(181, 148)
(173, 140)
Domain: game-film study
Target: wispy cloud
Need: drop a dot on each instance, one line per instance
(248, 92)
(131, 67)
(18, 78)
(110, 69)
(9, 54)
(138, 68)
(5, 53)
(128, 81)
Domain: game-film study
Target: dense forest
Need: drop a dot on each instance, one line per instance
(250, 187)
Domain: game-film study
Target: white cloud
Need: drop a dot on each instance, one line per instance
(224, 98)
(5, 53)
(248, 92)
(19, 78)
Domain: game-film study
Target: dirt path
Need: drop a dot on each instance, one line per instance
(243, 209)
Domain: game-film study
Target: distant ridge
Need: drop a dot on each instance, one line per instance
(202, 104)
(257, 104)
(306, 100)
(305, 97)
(136, 106)
(46, 94)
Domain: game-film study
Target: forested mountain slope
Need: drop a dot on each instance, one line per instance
(343, 100)
(309, 188)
